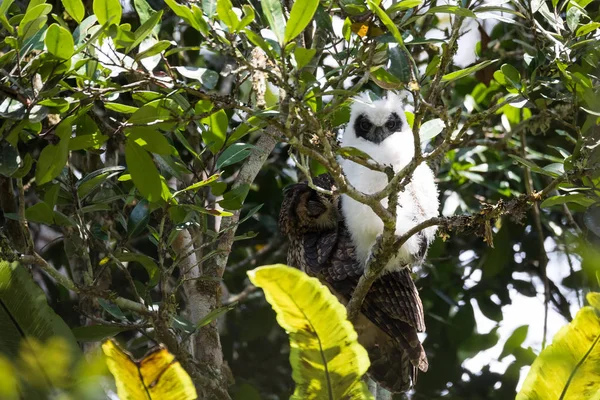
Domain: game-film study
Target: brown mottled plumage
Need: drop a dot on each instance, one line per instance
(392, 312)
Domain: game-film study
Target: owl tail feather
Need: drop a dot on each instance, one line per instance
(395, 368)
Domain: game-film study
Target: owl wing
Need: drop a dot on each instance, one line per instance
(391, 314)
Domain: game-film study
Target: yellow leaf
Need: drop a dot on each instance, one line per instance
(156, 376)
(327, 360)
(568, 368)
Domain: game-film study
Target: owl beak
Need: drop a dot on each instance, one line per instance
(379, 134)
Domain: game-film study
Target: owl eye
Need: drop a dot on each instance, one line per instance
(392, 124)
(365, 125)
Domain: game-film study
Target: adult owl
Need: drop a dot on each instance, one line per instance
(331, 236)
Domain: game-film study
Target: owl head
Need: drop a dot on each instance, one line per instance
(306, 210)
(376, 120)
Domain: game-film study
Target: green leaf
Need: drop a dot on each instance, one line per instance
(147, 262)
(153, 50)
(431, 129)
(138, 219)
(75, 9)
(512, 74)
(433, 66)
(578, 198)
(209, 7)
(387, 21)
(188, 16)
(96, 333)
(25, 313)
(234, 154)
(274, 14)
(327, 360)
(41, 213)
(143, 31)
(9, 159)
(532, 166)
(403, 5)
(568, 368)
(587, 28)
(247, 19)
(198, 185)
(591, 218)
(226, 14)
(300, 16)
(214, 314)
(515, 341)
(95, 179)
(447, 9)
(467, 71)
(303, 56)
(59, 42)
(150, 139)
(234, 199)
(82, 142)
(33, 21)
(54, 156)
(216, 134)
(143, 172)
(108, 11)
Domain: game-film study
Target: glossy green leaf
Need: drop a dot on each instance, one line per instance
(578, 198)
(568, 368)
(387, 21)
(449, 9)
(327, 360)
(274, 14)
(198, 185)
(403, 5)
(188, 16)
(54, 156)
(41, 213)
(214, 314)
(143, 172)
(467, 71)
(108, 11)
(300, 16)
(303, 56)
(587, 28)
(9, 159)
(94, 179)
(209, 7)
(59, 42)
(136, 224)
(226, 14)
(233, 154)
(431, 129)
(153, 50)
(216, 134)
(143, 31)
(234, 199)
(75, 9)
(150, 140)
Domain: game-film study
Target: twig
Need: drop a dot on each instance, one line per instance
(64, 281)
(543, 262)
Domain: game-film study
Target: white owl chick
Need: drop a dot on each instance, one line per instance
(379, 128)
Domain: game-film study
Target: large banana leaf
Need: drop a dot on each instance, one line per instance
(25, 313)
(326, 358)
(569, 369)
